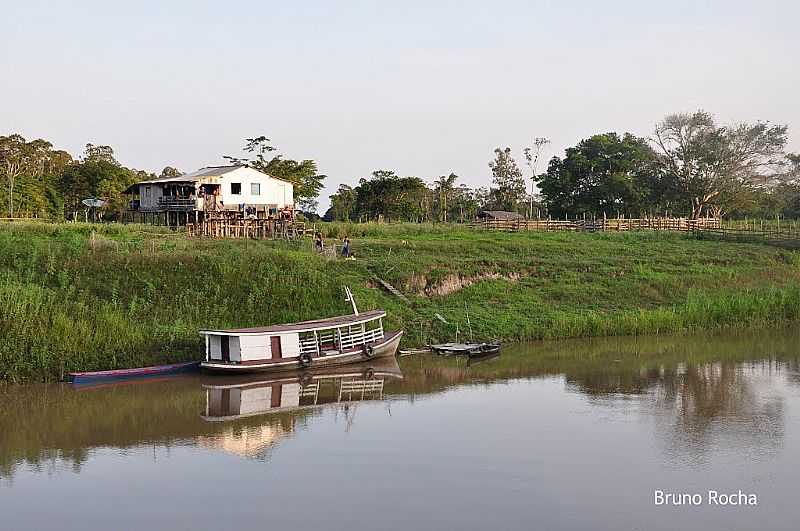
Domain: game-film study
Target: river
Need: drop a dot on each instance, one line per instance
(568, 435)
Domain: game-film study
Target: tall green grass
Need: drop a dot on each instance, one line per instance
(89, 297)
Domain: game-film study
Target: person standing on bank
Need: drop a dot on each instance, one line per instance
(318, 244)
(346, 247)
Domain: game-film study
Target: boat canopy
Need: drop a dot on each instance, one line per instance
(304, 326)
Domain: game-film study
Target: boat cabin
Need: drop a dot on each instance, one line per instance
(295, 345)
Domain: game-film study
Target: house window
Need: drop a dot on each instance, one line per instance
(236, 188)
(147, 191)
(255, 188)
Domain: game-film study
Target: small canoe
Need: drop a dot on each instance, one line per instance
(141, 372)
(466, 349)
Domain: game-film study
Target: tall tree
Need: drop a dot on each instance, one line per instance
(444, 187)
(466, 203)
(99, 153)
(31, 170)
(170, 171)
(716, 166)
(14, 157)
(509, 185)
(304, 175)
(603, 173)
(343, 204)
(97, 174)
(386, 195)
(532, 154)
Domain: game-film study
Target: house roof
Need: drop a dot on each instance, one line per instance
(502, 214)
(202, 173)
(212, 171)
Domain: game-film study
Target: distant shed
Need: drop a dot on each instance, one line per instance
(500, 215)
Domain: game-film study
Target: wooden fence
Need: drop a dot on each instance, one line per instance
(779, 238)
(598, 225)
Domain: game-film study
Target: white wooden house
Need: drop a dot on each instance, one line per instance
(215, 188)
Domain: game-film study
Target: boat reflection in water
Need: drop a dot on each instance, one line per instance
(232, 398)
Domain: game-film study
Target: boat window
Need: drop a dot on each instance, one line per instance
(236, 188)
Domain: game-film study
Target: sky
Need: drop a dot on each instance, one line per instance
(424, 88)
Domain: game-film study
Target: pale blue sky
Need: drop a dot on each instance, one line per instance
(422, 87)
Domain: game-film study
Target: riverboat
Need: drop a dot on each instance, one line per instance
(319, 343)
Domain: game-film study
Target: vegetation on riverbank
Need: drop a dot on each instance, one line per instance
(86, 297)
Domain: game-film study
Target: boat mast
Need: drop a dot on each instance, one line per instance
(349, 297)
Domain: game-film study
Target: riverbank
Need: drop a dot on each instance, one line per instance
(89, 297)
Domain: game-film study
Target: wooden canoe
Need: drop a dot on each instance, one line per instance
(141, 372)
(466, 349)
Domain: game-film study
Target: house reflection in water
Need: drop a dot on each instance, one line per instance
(232, 399)
(285, 399)
(250, 441)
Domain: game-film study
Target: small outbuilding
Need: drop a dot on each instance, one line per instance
(500, 215)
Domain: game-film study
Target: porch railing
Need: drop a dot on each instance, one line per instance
(177, 203)
(343, 338)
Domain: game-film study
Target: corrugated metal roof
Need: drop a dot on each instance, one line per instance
(212, 171)
(209, 171)
(502, 214)
(178, 179)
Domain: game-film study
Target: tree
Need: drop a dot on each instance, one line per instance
(31, 170)
(97, 174)
(97, 153)
(444, 188)
(509, 188)
(343, 204)
(532, 154)
(14, 158)
(603, 173)
(716, 167)
(304, 175)
(466, 203)
(391, 197)
(170, 171)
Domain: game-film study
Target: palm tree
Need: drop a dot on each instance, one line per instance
(444, 189)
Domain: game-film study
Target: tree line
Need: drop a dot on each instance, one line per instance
(44, 182)
(384, 195)
(691, 166)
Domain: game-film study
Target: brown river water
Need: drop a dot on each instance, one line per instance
(561, 435)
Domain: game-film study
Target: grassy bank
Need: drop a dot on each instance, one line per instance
(82, 297)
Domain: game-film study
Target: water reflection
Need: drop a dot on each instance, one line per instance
(701, 391)
(236, 398)
(231, 399)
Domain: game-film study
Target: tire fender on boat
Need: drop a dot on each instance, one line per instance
(368, 350)
(305, 359)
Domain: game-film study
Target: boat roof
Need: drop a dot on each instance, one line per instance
(303, 326)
